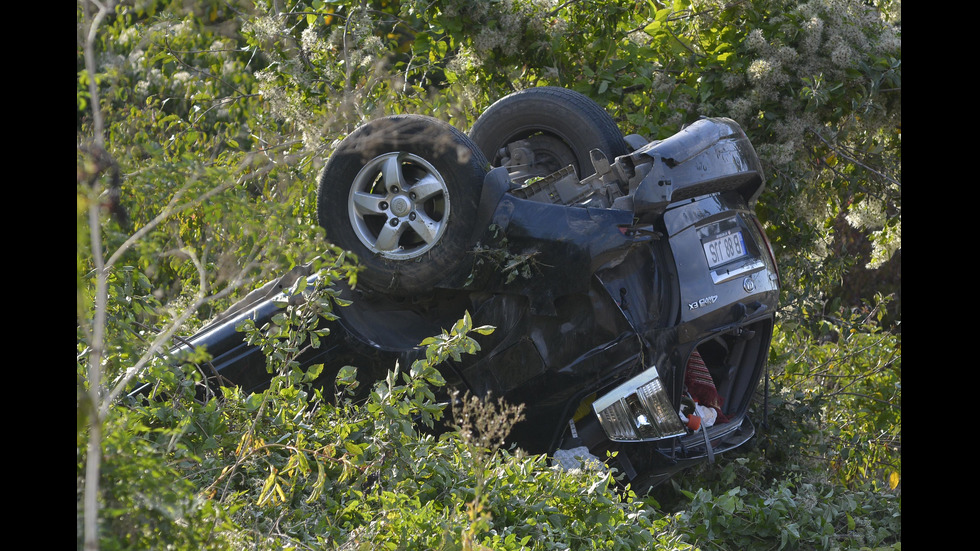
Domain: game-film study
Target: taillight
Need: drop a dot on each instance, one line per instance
(638, 410)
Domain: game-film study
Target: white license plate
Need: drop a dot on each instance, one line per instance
(725, 248)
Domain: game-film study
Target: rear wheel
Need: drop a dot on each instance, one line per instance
(537, 131)
(402, 193)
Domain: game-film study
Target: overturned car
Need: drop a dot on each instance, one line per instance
(631, 285)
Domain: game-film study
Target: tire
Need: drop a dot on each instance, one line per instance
(562, 126)
(402, 193)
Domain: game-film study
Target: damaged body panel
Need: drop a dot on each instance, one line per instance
(622, 301)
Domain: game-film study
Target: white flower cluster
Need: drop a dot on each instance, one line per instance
(778, 154)
(463, 61)
(740, 109)
(510, 20)
(812, 36)
(265, 29)
(273, 95)
(183, 28)
(312, 42)
(866, 214)
(885, 243)
(128, 35)
(813, 41)
(755, 41)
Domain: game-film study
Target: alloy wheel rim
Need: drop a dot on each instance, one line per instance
(399, 205)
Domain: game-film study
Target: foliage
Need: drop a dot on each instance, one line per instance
(146, 498)
(192, 154)
(200, 129)
(852, 375)
(791, 515)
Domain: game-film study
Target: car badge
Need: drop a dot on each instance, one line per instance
(701, 303)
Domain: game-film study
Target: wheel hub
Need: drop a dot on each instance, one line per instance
(401, 206)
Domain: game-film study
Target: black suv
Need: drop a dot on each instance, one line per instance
(632, 287)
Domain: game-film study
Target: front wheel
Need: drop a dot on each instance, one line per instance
(402, 193)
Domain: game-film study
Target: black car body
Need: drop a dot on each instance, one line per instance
(606, 291)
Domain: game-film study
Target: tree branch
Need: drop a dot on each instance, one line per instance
(93, 458)
(840, 151)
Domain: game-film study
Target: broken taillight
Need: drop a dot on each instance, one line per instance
(638, 410)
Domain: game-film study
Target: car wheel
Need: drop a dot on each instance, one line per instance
(537, 131)
(402, 193)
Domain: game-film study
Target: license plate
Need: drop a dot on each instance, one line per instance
(724, 249)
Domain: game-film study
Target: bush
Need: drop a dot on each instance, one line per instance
(791, 514)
